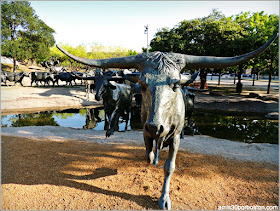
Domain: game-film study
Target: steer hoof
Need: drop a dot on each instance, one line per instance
(108, 133)
(155, 162)
(150, 157)
(164, 202)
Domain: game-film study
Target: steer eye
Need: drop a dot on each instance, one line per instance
(174, 84)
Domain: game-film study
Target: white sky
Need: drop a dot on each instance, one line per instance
(121, 23)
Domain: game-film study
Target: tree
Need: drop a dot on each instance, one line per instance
(212, 35)
(24, 35)
(260, 28)
(217, 35)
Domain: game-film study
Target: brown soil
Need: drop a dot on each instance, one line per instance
(51, 175)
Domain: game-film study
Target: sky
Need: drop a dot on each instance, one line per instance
(121, 23)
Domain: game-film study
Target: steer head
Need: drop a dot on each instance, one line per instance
(103, 86)
(160, 93)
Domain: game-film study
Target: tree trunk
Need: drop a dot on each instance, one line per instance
(219, 80)
(203, 75)
(253, 72)
(15, 65)
(269, 82)
(269, 79)
(239, 84)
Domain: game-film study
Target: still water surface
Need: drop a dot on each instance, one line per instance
(233, 127)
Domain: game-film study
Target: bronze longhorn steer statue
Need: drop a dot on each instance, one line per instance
(163, 109)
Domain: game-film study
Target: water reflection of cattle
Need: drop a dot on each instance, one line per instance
(14, 77)
(92, 118)
(41, 77)
(163, 107)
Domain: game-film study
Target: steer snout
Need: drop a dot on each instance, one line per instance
(97, 97)
(153, 130)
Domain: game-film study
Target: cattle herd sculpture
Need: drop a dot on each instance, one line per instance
(164, 101)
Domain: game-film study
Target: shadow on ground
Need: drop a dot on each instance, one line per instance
(82, 165)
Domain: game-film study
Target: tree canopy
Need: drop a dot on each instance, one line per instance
(218, 35)
(24, 34)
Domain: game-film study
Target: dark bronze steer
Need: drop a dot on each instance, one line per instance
(41, 77)
(117, 99)
(163, 108)
(15, 77)
(65, 76)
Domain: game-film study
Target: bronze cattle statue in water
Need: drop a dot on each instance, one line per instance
(163, 109)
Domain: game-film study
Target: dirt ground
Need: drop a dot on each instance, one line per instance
(67, 175)
(46, 174)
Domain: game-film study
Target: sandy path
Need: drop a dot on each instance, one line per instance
(257, 152)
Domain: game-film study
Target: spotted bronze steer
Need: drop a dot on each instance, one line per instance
(163, 109)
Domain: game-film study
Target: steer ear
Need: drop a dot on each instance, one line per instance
(184, 79)
(112, 86)
(194, 76)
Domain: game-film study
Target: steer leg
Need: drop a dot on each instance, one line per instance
(149, 149)
(87, 92)
(113, 122)
(107, 119)
(156, 159)
(169, 167)
(127, 117)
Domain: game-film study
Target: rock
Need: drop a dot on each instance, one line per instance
(254, 95)
(272, 115)
(216, 93)
(270, 97)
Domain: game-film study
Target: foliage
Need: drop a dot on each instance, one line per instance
(41, 119)
(217, 35)
(260, 28)
(24, 35)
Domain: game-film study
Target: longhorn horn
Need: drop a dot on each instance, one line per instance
(120, 62)
(220, 62)
(190, 61)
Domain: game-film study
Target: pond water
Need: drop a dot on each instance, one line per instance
(245, 128)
